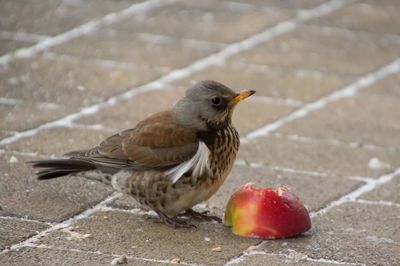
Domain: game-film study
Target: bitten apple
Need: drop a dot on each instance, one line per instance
(266, 213)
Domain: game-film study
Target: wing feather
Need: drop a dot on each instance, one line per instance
(197, 165)
(156, 142)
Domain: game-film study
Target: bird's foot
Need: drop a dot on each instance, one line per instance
(174, 222)
(201, 216)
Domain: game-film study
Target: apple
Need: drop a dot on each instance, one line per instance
(266, 213)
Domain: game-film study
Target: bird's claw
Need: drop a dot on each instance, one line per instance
(174, 222)
(201, 216)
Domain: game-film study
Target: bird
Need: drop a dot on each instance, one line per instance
(171, 160)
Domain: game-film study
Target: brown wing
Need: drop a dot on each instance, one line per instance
(156, 142)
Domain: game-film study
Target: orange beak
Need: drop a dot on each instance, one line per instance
(241, 96)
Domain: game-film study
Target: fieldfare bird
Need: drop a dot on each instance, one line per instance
(171, 160)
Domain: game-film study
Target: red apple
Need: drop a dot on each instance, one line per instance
(266, 213)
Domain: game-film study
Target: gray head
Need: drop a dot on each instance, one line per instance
(208, 103)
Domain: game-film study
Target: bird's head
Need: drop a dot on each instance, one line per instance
(208, 104)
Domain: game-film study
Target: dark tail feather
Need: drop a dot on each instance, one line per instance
(60, 167)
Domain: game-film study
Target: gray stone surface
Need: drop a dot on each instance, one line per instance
(54, 200)
(123, 233)
(283, 260)
(129, 112)
(9, 45)
(352, 232)
(54, 17)
(5, 133)
(26, 115)
(50, 257)
(388, 87)
(388, 192)
(369, 118)
(292, 4)
(215, 21)
(13, 230)
(58, 141)
(370, 16)
(78, 81)
(326, 50)
(246, 117)
(130, 48)
(318, 155)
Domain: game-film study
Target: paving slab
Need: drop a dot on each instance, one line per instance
(292, 4)
(355, 233)
(371, 16)
(14, 231)
(283, 260)
(21, 194)
(277, 82)
(127, 113)
(126, 202)
(74, 83)
(7, 46)
(245, 118)
(5, 133)
(54, 16)
(388, 87)
(215, 21)
(58, 141)
(124, 47)
(325, 50)
(382, 2)
(386, 192)
(368, 118)
(321, 156)
(50, 257)
(124, 233)
(24, 115)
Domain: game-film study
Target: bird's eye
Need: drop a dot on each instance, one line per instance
(216, 100)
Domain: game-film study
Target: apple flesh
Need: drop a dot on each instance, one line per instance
(266, 213)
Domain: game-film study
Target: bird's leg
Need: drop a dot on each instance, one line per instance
(201, 216)
(173, 222)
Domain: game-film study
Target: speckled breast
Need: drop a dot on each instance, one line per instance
(223, 152)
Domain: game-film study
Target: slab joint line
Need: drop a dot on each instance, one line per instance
(246, 254)
(85, 214)
(199, 65)
(129, 257)
(355, 194)
(346, 92)
(47, 43)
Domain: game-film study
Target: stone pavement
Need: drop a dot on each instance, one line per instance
(325, 120)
